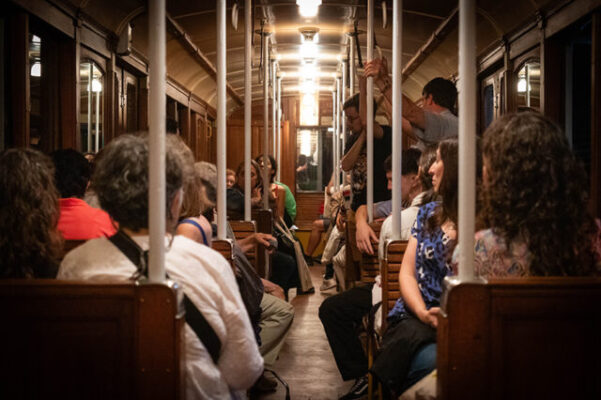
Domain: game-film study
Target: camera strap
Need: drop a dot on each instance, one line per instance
(194, 318)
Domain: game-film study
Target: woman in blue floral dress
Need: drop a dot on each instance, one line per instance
(412, 321)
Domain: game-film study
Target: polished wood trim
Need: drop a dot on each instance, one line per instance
(18, 69)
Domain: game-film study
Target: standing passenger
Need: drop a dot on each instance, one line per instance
(121, 181)
(30, 244)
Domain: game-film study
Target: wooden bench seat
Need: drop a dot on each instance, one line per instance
(394, 251)
(264, 222)
(74, 340)
(533, 338)
(242, 230)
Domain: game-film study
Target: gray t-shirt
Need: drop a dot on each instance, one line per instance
(439, 126)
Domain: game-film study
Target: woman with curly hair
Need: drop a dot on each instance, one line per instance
(534, 202)
(30, 243)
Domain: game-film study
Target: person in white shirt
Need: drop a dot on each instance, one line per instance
(121, 182)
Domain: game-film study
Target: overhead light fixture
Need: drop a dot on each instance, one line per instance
(308, 50)
(36, 69)
(96, 86)
(308, 8)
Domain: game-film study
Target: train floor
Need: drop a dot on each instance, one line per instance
(306, 362)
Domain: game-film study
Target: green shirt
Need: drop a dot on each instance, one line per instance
(289, 202)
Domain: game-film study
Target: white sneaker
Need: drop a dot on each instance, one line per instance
(327, 284)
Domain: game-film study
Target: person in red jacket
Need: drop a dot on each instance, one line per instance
(78, 220)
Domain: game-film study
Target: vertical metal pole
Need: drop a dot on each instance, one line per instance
(247, 104)
(97, 124)
(370, 113)
(334, 138)
(91, 74)
(342, 99)
(527, 86)
(279, 136)
(467, 137)
(397, 143)
(352, 66)
(156, 157)
(337, 135)
(221, 128)
(274, 107)
(265, 122)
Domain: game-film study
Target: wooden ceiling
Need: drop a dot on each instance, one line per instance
(335, 19)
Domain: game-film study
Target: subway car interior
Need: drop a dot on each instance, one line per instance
(300, 199)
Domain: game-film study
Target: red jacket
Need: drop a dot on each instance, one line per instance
(79, 221)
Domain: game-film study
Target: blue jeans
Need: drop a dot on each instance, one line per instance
(422, 364)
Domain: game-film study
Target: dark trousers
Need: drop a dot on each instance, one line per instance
(399, 345)
(284, 270)
(341, 315)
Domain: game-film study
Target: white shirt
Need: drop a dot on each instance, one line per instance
(208, 280)
(408, 216)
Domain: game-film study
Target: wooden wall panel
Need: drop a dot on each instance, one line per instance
(596, 117)
(307, 209)
(17, 32)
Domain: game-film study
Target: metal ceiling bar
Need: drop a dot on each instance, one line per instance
(342, 99)
(397, 142)
(370, 113)
(184, 38)
(157, 127)
(352, 65)
(467, 137)
(337, 134)
(247, 105)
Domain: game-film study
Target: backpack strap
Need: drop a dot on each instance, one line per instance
(194, 318)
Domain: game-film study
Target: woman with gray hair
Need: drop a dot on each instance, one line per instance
(121, 182)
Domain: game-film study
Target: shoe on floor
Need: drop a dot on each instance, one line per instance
(358, 390)
(327, 284)
(309, 260)
(299, 291)
(264, 385)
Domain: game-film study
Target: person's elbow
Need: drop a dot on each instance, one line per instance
(242, 372)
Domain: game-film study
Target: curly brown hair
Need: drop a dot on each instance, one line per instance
(30, 243)
(535, 193)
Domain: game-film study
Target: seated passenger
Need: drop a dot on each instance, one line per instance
(120, 180)
(285, 271)
(284, 197)
(230, 176)
(528, 162)
(78, 220)
(341, 314)
(270, 315)
(30, 243)
(412, 321)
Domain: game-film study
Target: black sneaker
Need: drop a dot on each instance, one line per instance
(358, 390)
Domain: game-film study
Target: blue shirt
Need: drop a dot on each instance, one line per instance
(431, 262)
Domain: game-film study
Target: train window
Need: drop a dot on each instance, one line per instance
(91, 80)
(528, 86)
(314, 164)
(35, 89)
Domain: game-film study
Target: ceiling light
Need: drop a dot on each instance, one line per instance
(308, 8)
(308, 50)
(36, 69)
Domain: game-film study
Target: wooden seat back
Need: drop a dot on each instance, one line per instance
(242, 230)
(531, 338)
(264, 222)
(74, 340)
(394, 250)
(369, 266)
(225, 248)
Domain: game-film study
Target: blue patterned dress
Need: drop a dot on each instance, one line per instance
(431, 262)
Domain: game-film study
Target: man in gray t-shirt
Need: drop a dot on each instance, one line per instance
(430, 122)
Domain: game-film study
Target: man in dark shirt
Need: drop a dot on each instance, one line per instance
(355, 152)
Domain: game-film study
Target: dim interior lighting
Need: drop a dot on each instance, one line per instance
(308, 8)
(36, 69)
(308, 50)
(308, 86)
(96, 86)
(522, 86)
(309, 110)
